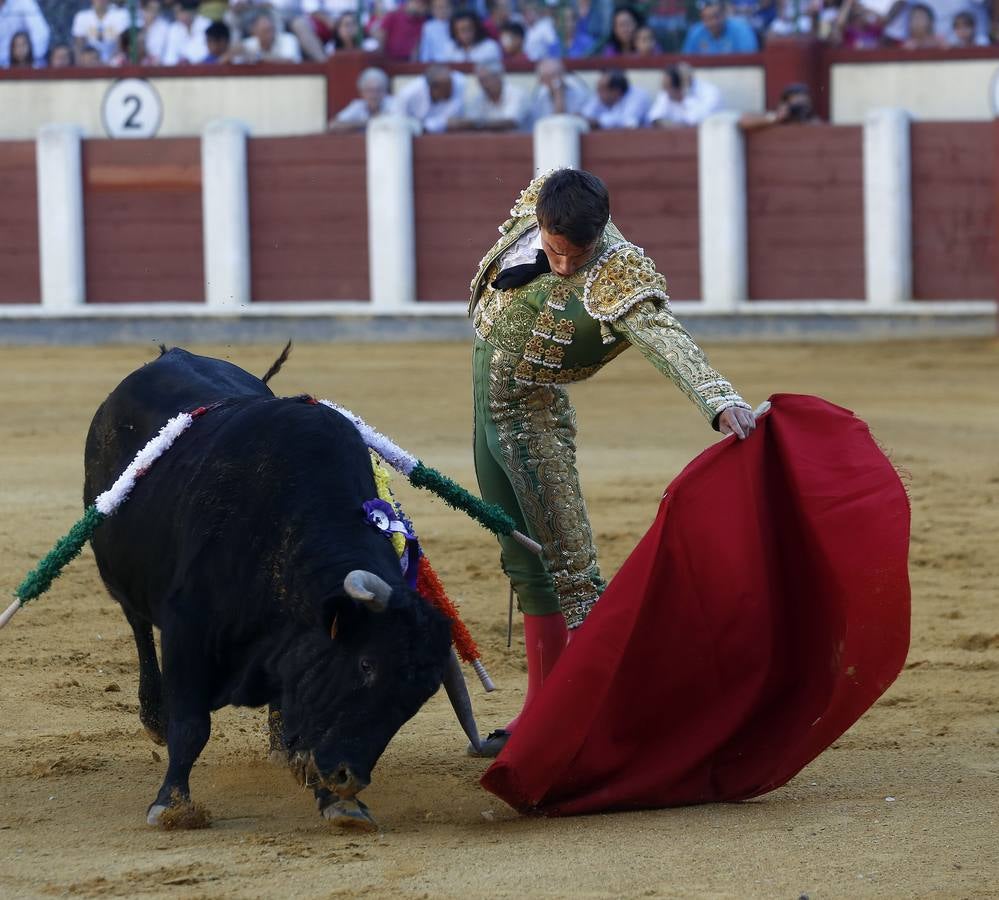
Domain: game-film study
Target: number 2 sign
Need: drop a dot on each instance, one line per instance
(131, 109)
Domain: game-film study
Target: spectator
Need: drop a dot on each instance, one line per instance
(89, 58)
(433, 99)
(922, 34)
(99, 27)
(594, 17)
(857, 27)
(123, 57)
(399, 31)
(645, 42)
(795, 108)
(897, 27)
(60, 56)
(266, 45)
(19, 52)
(22, 16)
(470, 43)
(436, 44)
(557, 91)
(625, 23)
(541, 40)
(790, 19)
(668, 21)
(577, 41)
(218, 40)
(684, 100)
(760, 14)
(964, 30)
(512, 42)
(185, 41)
(498, 105)
(374, 100)
(156, 28)
(717, 33)
(617, 104)
(500, 14)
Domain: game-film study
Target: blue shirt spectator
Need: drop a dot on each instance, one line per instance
(717, 33)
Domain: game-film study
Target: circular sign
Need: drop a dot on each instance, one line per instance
(131, 109)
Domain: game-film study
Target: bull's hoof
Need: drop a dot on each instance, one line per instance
(155, 812)
(350, 814)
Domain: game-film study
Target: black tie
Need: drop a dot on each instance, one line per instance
(518, 276)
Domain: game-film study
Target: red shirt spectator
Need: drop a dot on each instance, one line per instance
(401, 29)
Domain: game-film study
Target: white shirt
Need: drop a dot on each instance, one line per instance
(23, 15)
(414, 100)
(577, 95)
(184, 45)
(435, 41)
(102, 33)
(628, 112)
(156, 38)
(357, 110)
(524, 251)
(512, 104)
(702, 99)
(484, 51)
(541, 40)
(285, 46)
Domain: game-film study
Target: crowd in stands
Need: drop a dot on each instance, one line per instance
(489, 33)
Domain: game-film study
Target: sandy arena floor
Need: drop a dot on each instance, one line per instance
(906, 804)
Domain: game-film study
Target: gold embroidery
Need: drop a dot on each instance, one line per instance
(545, 324)
(564, 331)
(553, 357)
(621, 281)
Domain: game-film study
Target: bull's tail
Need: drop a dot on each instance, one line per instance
(276, 365)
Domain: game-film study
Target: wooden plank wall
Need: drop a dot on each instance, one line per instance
(19, 276)
(653, 183)
(953, 211)
(464, 186)
(142, 212)
(805, 209)
(308, 218)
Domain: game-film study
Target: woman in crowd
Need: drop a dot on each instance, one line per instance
(21, 54)
(922, 29)
(645, 43)
(624, 26)
(471, 43)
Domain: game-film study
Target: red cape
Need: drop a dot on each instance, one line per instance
(765, 610)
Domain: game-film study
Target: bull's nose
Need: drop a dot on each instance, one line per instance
(344, 783)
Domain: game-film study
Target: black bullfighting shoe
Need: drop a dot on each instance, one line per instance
(490, 748)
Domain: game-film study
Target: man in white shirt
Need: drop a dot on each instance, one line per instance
(22, 15)
(617, 104)
(541, 40)
(434, 99)
(557, 92)
(374, 100)
(267, 45)
(496, 106)
(684, 100)
(185, 41)
(99, 27)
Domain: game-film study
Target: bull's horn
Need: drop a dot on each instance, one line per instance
(369, 589)
(457, 692)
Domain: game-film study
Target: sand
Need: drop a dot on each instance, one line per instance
(904, 805)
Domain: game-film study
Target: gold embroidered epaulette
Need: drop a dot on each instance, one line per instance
(622, 277)
(528, 198)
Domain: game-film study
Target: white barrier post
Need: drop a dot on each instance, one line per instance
(61, 245)
(721, 167)
(887, 208)
(557, 144)
(391, 212)
(225, 213)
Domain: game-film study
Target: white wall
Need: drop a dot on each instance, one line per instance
(958, 90)
(268, 104)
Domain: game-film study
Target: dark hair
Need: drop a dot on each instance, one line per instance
(338, 41)
(796, 87)
(639, 20)
(480, 32)
(30, 61)
(966, 17)
(514, 28)
(574, 204)
(52, 50)
(926, 9)
(218, 31)
(617, 80)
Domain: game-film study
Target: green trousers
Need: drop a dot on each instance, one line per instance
(525, 462)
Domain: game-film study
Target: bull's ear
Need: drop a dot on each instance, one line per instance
(333, 625)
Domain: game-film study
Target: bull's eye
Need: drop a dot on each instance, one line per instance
(368, 670)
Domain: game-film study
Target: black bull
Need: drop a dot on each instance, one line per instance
(239, 546)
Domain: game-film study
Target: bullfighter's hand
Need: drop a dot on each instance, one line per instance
(738, 421)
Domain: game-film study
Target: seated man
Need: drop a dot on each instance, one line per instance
(684, 100)
(558, 92)
(496, 106)
(434, 99)
(719, 33)
(266, 45)
(617, 104)
(374, 100)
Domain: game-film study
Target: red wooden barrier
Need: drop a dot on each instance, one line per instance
(953, 211)
(805, 209)
(19, 279)
(464, 186)
(142, 213)
(308, 218)
(652, 179)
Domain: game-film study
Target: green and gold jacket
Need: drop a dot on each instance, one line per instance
(565, 329)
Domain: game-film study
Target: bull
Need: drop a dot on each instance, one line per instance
(246, 546)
